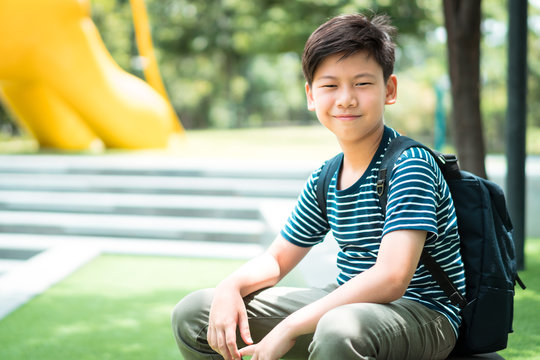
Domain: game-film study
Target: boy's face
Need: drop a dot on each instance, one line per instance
(349, 95)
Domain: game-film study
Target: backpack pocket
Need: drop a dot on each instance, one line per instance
(487, 321)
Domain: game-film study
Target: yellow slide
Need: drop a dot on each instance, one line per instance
(63, 86)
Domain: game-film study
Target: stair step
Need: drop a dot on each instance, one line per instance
(152, 184)
(17, 254)
(149, 165)
(133, 226)
(142, 197)
(134, 204)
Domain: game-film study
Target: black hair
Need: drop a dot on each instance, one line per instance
(349, 34)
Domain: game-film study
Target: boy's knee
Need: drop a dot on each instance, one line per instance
(342, 333)
(191, 313)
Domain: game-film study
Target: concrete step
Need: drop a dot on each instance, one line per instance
(137, 165)
(17, 254)
(133, 226)
(134, 204)
(138, 197)
(275, 188)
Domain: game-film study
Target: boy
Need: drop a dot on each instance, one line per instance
(384, 304)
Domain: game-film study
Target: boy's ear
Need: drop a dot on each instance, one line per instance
(391, 90)
(309, 96)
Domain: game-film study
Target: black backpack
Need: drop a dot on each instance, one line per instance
(486, 246)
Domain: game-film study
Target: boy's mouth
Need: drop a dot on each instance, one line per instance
(347, 117)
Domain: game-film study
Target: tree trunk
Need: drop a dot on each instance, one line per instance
(462, 20)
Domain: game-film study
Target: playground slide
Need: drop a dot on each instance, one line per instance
(63, 86)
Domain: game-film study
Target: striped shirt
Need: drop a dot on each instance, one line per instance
(418, 199)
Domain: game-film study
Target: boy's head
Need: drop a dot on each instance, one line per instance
(350, 34)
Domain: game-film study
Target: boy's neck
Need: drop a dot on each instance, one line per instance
(359, 153)
(357, 157)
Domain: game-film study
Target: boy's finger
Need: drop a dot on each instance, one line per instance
(248, 350)
(222, 346)
(230, 342)
(211, 338)
(243, 326)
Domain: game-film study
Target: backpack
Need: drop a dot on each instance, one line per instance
(486, 246)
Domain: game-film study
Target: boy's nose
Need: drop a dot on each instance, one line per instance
(347, 98)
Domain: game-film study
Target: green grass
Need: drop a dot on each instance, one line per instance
(118, 307)
(17, 145)
(524, 343)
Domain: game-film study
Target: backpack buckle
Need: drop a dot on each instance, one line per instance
(380, 182)
(449, 158)
(451, 168)
(458, 299)
(380, 187)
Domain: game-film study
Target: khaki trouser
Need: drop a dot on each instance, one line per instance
(403, 329)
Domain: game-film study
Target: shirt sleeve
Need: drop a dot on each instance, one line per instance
(306, 226)
(413, 193)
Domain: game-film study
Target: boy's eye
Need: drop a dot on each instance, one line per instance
(329, 86)
(363, 84)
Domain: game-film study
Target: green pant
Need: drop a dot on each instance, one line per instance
(403, 329)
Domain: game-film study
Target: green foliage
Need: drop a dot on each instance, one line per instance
(494, 60)
(234, 63)
(534, 66)
(113, 19)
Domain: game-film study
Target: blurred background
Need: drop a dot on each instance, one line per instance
(236, 64)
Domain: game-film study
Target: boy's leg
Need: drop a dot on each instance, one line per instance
(403, 329)
(265, 308)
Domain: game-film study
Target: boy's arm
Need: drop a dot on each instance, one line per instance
(386, 281)
(228, 310)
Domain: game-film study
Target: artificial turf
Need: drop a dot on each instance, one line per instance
(116, 307)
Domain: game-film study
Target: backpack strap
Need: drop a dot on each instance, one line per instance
(446, 162)
(448, 165)
(323, 183)
(393, 152)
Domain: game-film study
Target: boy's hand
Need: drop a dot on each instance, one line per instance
(274, 345)
(226, 313)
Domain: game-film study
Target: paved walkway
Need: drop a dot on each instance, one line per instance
(59, 256)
